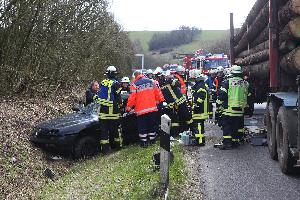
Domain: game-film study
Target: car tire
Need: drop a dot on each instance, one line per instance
(283, 127)
(86, 147)
(271, 129)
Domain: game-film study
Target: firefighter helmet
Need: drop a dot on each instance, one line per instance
(220, 69)
(125, 79)
(191, 73)
(111, 69)
(158, 70)
(197, 73)
(180, 69)
(236, 69)
(212, 71)
(149, 71)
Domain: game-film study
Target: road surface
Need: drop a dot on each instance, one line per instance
(243, 173)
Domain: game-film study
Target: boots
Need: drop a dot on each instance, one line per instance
(225, 145)
(104, 149)
(151, 142)
(116, 145)
(198, 142)
(143, 144)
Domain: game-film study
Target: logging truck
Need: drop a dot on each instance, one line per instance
(267, 47)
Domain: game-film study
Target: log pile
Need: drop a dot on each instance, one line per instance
(252, 41)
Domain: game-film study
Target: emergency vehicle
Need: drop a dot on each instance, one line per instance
(205, 61)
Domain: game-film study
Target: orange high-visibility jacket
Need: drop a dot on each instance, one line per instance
(182, 84)
(216, 83)
(144, 96)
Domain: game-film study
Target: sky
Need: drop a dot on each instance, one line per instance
(164, 15)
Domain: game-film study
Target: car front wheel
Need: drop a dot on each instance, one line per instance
(85, 147)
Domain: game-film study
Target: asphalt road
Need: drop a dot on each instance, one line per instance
(243, 173)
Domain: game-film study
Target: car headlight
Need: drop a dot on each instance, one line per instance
(36, 131)
(53, 132)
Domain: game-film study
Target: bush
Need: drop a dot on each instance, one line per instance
(175, 38)
(45, 45)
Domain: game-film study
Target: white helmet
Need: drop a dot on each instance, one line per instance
(197, 73)
(199, 76)
(111, 69)
(202, 77)
(149, 71)
(220, 69)
(236, 69)
(192, 73)
(125, 79)
(168, 73)
(158, 70)
(180, 69)
(212, 71)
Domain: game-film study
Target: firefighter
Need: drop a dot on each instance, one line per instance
(144, 99)
(200, 98)
(217, 82)
(209, 82)
(177, 107)
(220, 77)
(179, 76)
(233, 97)
(109, 111)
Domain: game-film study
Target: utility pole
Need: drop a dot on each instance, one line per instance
(232, 56)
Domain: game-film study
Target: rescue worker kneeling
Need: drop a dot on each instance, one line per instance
(200, 97)
(233, 95)
(109, 111)
(144, 98)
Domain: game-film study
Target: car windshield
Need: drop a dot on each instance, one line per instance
(213, 64)
(90, 109)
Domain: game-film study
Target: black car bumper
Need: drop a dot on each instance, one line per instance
(65, 142)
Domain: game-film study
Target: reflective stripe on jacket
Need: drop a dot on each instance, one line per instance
(233, 96)
(144, 96)
(109, 99)
(172, 95)
(200, 97)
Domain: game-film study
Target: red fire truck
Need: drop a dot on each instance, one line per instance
(205, 61)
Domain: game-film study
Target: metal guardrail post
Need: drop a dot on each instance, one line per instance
(165, 150)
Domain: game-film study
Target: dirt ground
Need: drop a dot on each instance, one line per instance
(21, 164)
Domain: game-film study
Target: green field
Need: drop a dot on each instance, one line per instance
(202, 41)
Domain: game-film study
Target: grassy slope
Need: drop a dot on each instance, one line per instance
(143, 36)
(201, 41)
(125, 174)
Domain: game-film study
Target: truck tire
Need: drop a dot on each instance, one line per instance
(85, 146)
(283, 128)
(271, 129)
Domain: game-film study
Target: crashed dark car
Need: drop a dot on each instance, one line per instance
(77, 133)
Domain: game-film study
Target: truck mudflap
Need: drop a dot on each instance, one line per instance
(289, 99)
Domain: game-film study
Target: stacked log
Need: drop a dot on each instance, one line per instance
(252, 41)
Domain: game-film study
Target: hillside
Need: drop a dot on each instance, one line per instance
(203, 40)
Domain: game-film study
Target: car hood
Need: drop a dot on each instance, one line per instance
(68, 121)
